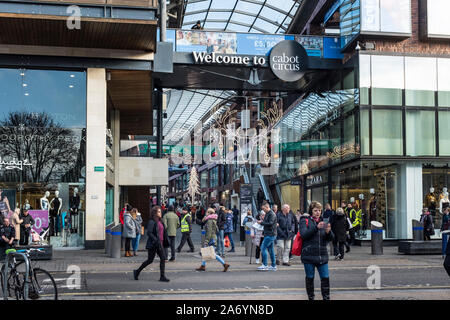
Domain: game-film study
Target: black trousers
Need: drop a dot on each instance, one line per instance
(24, 235)
(447, 264)
(127, 244)
(186, 236)
(151, 256)
(338, 248)
(172, 248)
(258, 249)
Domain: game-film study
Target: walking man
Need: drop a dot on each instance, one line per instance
(270, 232)
(285, 233)
(186, 230)
(171, 224)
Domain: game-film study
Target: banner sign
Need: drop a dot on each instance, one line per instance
(40, 219)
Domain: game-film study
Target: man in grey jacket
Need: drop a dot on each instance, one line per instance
(270, 234)
(171, 223)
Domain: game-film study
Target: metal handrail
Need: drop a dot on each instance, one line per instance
(6, 271)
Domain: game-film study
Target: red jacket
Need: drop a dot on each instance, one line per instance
(121, 215)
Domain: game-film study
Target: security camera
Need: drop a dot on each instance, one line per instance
(358, 47)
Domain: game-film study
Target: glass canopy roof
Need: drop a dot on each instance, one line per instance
(259, 16)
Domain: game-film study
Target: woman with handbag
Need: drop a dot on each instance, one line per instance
(428, 226)
(210, 222)
(137, 219)
(157, 241)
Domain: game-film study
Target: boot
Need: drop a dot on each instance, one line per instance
(310, 288)
(163, 278)
(136, 274)
(202, 268)
(325, 288)
(225, 267)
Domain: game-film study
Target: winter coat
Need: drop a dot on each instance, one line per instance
(427, 221)
(171, 223)
(270, 224)
(153, 236)
(314, 248)
(129, 227)
(211, 228)
(221, 220)
(229, 223)
(286, 226)
(339, 226)
(138, 224)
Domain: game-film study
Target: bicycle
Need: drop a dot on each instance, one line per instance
(41, 284)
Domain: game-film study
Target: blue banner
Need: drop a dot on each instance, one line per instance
(332, 48)
(257, 44)
(312, 45)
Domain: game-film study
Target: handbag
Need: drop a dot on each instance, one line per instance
(298, 244)
(227, 242)
(142, 230)
(208, 253)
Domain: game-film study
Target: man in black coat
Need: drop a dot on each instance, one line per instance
(221, 220)
(270, 234)
(7, 236)
(25, 226)
(235, 217)
(285, 233)
(339, 226)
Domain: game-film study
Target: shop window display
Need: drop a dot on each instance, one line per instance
(436, 179)
(43, 133)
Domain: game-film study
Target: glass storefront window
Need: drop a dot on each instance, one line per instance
(364, 79)
(387, 132)
(420, 81)
(420, 133)
(365, 135)
(387, 80)
(444, 134)
(443, 82)
(43, 132)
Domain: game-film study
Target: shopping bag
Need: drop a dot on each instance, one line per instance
(208, 253)
(297, 245)
(227, 242)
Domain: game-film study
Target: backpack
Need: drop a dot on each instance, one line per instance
(298, 243)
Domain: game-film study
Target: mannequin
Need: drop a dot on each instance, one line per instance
(4, 207)
(55, 208)
(45, 205)
(444, 202)
(74, 204)
(372, 205)
(27, 205)
(364, 222)
(430, 202)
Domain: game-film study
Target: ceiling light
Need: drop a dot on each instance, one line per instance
(72, 76)
(26, 93)
(24, 84)
(71, 86)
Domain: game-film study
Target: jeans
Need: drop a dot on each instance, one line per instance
(321, 268)
(268, 245)
(172, 248)
(220, 243)
(218, 258)
(283, 249)
(135, 242)
(230, 236)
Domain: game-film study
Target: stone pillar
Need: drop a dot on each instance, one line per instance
(116, 153)
(410, 199)
(96, 157)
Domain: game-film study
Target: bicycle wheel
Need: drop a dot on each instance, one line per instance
(42, 286)
(14, 284)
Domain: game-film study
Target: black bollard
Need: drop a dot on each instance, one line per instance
(377, 237)
(417, 230)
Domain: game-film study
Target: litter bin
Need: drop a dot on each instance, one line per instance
(417, 230)
(377, 237)
(445, 235)
(116, 239)
(108, 239)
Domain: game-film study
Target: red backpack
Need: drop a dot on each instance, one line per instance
(298, 243)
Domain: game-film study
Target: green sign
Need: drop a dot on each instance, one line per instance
(306, 144)
(99, 169)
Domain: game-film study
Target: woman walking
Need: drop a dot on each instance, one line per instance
(229, 228)
(129, 232)
(210, 222)
(427, 222)
(137, 219)
(339, 226)
(157, 241)
(15, 222)
(315, 234)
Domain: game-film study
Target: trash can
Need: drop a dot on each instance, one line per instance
(377, 237)
(116, 239)
(108, 239)
(445, 235)
(248, 243)
(417, 230)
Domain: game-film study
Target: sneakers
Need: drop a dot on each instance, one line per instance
(232, 250)
(272, 268)
(257, 261)
(337, 257)
(287, 264)
(263, 268)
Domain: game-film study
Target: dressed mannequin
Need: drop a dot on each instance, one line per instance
(55, 208)
(27, 206)
(45, 204)
(4, 207)
(74, 203)
(373, 205)
(444, 203)
(430, 202)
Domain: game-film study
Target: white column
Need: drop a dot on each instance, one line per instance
(412, 196)
(116, 150)
(95, 156)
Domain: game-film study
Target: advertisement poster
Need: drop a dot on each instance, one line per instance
(200, 41)
(246, 200)
(312, 45)
(257, 44)
(40, 219)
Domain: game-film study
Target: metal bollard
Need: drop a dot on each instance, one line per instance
(417, 230)
(377, 237)
(445, 236)
(116, 240)
(108, 239)
(248, 243)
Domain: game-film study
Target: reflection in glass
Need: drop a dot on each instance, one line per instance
(420, 81)
(444, 134)
(420, 133)
(387, 132)
(387, 80)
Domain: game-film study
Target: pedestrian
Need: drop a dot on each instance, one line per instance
(211, 228)
(7, 236)
(25, 226)
(257, 237)
(221, 219)
(235, 217)
(15, 222)
(137, 219)
(260, 197)
(339, 226)
(157, 241)
(351, 212)
(186, 230)
(427, 221)
(270, 233)
(446, 220)
(129, 232)
(315, 234)
(125, 208)
(248, 217)
(447, 258)
(285, 234)
(328, 213)
(171, 224)
(228, 230)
